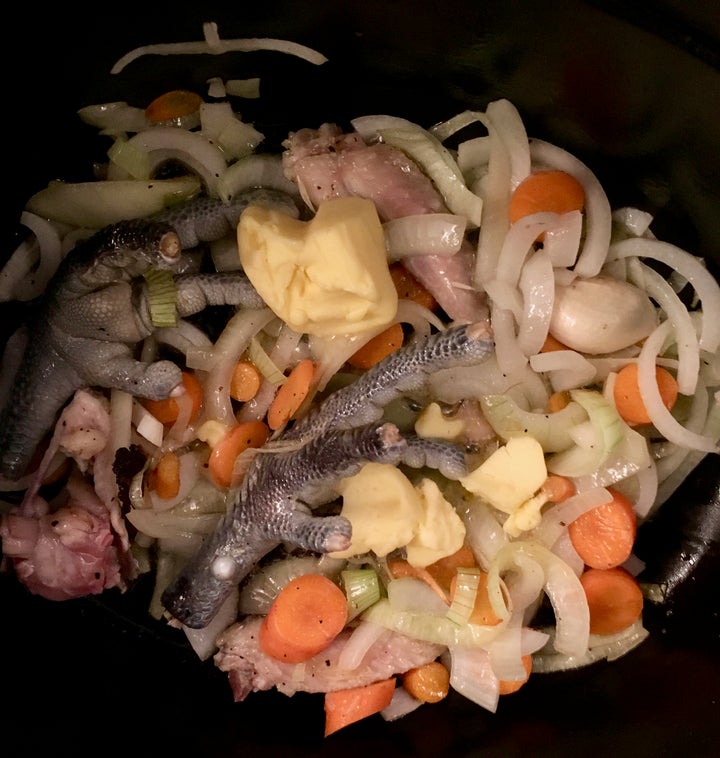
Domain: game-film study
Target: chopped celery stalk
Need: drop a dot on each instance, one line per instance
(608, 430)
(466, 588)
(362, 588)
(264, 364)
(127, 156)
(162, 296)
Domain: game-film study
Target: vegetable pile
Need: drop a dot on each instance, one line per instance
(499, 544)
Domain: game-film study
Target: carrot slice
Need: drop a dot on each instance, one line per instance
(245, 381)
(614, 598)
(445, 569)
(165, 477)
(429, 683)
(558, 400)
(379, 347)
(628, 400)
(555, 191)
(291, 394)
(409, 288)
(558, 488)
(399, 568)
(604, 536)
(305, 617)
(507, 687)
(224, 454)
(551, 345)
(345, 707)
(173, 105)
(166, 411)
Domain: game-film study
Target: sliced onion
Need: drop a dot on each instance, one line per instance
(402, 704)
(471, 675)
(114, 119)
(537, 284)
(567, 369)
(50, 250)
(203, 641)
(562, 239)
(598, 221)
(94, 205)
(163, 143)
(424, 234)
(257, 170)
(692, 269)
(363, 637)
(483, 532)
(556, 519)
(213, 45)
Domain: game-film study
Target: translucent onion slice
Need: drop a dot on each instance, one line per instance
(257, 170)
(424, 234)
(193, 149)
(556, 519)
(598, 221)
(567, 369)
(692, 269)
(471, 675)
(483, 532)
(660, 416)
(537, 284)
(94, 205)
(551, 430)
(213, 45)
(688, 349)
(363, 637)
(402, 704)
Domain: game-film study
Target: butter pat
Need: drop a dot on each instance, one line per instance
(510, 476)
(324, 277)
(431, 423)
(439, 533)
(381, 504)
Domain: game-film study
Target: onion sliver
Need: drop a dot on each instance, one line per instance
(598, 220)
(424, 234)
(97, 204)
(692, 269)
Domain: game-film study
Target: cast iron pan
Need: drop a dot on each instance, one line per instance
(635, 92)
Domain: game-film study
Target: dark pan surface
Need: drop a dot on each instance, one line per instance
(632, 90)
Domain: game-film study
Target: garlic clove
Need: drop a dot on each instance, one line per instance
(601, 315)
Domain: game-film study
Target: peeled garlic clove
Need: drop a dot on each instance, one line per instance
(601, 315)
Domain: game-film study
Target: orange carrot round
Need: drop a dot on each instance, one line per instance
(429, 683)
(604, 536)
(614, 598)
(345, 707)
(291, 394)
(245, 381)
(628, 400)
(166, 411)
(558, 488)
(166, 476)
(445, 569)
(552, 345)
(507, 687)
(305, 617)
(409, 288)
(224, 454)
(553, 191)
(379, 347)
(173, 105)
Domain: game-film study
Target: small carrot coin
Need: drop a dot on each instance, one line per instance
(173, 105)
(628, 400)
(166, 479)
(305, 617)
(379, 347)
(166, 411)
(291, 394)
(604, 536)
(614, 598)
(245, 381)
(553, 191)
(507, 687)
(408, 287)
(429, 683)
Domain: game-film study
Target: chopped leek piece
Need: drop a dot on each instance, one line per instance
(162, 295)
(466, 587)
(362, 588)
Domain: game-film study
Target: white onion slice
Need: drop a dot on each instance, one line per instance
(692, 269)
(401, 704)
(537, 284)
(555, 520)
(424, 234)
(598, 221)
(257, 170)
(213, 45)
(471, 675)
(363, 637)
(567, 369)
